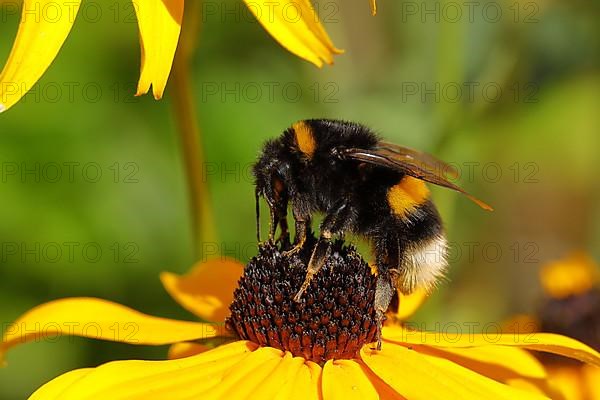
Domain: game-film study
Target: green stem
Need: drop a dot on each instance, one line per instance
(184, 109)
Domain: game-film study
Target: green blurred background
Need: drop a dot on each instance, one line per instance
(508, 91)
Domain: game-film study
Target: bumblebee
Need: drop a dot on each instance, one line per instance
(362, 185)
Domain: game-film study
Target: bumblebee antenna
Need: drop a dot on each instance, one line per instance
(257, 205)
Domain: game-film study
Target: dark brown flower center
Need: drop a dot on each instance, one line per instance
(335, 317)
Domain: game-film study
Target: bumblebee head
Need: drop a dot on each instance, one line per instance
(270, 172)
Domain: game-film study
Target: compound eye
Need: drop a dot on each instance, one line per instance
(278, 188)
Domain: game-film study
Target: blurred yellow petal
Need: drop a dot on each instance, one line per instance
(296, 26)
(345, 380)
(100, 319)
(539, 386)
(141, 380)
(570, 276)
(591, 378)
(409, 304)
(186, 349)
(207, 290)
(418, 376)
(44, 27)
(56, 387)
(567, 381)
(160, 24)
(547, 342)
(373, 4)
(521, 323)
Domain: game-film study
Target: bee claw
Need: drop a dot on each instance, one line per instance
(298, 297)
(294, 250)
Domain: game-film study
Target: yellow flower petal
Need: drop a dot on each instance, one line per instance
(497, 362)
(479, 383)
(373, 4)
(186, 349)
(570, 276)
(100, 319)
(280, 383)
(296, 26)
(511, 365)
(160, 24)
(384, 390)
(345, 380)
(141, 380)
(591, 377)
(547, 342)
(418, 376)
(55, 387)
(409, 304)
(207, 290)
(244, 377)
(567, 381)
(40, 36)
(307, 384)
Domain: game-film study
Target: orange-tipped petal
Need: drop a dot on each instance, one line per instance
(100, 319)
(207, 290)
(44, 27)
(177, 379)
(160, 24)
(296, 26)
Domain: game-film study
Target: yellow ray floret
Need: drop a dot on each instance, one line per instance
(45, 24)
(570, 276)
(295, 25)
(100, 319)
(160, 24)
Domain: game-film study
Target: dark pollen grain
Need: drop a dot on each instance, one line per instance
(335, 317)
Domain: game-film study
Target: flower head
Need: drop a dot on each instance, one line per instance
(335, 318)
(571, 306)
(319, 349)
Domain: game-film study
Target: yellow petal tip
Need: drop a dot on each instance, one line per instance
(373, 4)
(2, 108)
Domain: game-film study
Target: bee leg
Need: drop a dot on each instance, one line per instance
(317, 260)
(301, 231)
(384, 292)
(278, 216)
(284, 235)
(272, 224)
(338, 220)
